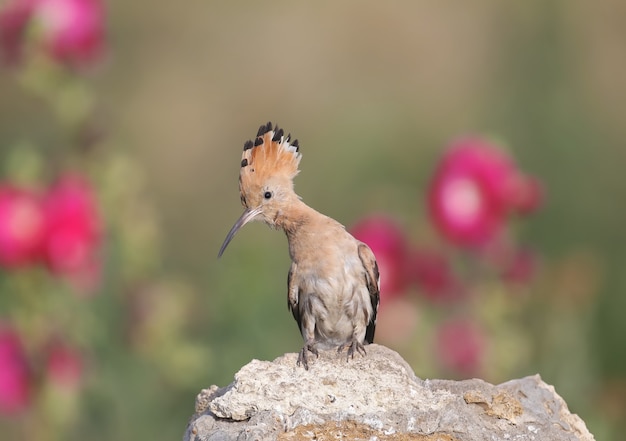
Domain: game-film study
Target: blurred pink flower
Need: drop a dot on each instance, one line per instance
(14, 373)
(389, 244)
(431, 271)
(475, 187)
(72, 30)
(14, 18)
(21, 226)
(73, 230)
(64, 365)
(461, 346)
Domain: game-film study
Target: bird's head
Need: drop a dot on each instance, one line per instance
(268, 166)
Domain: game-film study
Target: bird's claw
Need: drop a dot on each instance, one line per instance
(355, 346)
(302, 357)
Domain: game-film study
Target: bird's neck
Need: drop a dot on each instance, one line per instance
(295, 216)
(307, 230)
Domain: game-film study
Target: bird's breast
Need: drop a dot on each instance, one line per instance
(333, 292)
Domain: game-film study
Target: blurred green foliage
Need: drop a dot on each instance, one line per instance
(373, 91)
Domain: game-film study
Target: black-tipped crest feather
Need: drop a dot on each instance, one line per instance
(264, 129)
(278, 134)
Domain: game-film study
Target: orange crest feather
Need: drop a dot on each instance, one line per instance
(270, 156)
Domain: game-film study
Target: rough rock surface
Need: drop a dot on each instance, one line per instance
(376, 397)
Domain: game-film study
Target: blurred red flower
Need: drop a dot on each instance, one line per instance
(525, 193)
(71, 31)
(389, 244)
(14, 19)
(64, 365)
(14, 373)
(73, 229)
(461, 346)
(520, 267)
(21, 226)
(475, 187)
(432, 272)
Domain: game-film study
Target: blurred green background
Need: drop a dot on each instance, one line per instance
(373, 91)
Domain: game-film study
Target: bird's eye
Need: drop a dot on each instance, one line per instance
(267, 195)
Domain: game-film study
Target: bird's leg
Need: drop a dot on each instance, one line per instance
(309, 346)
(355, 346)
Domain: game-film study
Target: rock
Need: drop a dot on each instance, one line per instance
(376, 397)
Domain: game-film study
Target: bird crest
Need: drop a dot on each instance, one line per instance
(271, 156)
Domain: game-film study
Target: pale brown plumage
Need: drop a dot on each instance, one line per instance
(333, 283)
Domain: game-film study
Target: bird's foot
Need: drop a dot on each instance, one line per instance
(302, 357)
(355, 346)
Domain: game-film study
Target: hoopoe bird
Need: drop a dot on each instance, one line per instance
(333, 286)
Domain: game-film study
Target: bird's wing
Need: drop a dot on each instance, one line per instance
(372, 279)
(293, 294)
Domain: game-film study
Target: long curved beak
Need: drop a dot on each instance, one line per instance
(248, 215)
